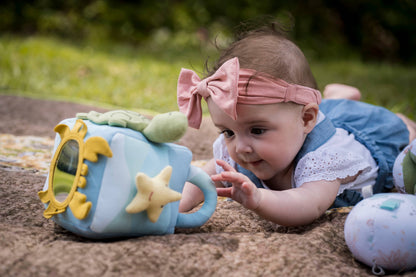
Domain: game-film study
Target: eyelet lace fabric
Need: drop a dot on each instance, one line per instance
(221, 152)
(341, 157)
(329, 166)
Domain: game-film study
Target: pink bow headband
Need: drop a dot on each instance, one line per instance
(230, 85)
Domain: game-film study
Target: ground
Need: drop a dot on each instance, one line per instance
(234, 242)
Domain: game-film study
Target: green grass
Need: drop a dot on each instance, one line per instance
(390, 86)
(144, 78)
(107, 74)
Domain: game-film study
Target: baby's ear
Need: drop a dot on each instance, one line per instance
(310, 116)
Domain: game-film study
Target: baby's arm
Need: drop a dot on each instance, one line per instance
(298, 206)
(191, 194)
(293, 207)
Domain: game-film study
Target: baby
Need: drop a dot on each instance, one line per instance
(282, 151)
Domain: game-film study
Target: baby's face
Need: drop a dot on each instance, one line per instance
(264, 139)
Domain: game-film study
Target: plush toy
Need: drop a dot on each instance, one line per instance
(404, 170)
(380, 231)
(115, 175)
(167, 127)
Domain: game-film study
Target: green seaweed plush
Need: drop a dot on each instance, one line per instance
(404, 170)
(166, 127)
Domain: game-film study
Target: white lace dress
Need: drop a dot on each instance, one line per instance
(340, 157)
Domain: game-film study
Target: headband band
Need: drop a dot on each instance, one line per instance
(230, 85)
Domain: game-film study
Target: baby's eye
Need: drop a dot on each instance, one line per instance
(227, 133)
(257, 131)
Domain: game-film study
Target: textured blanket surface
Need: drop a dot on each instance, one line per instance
(234, 242)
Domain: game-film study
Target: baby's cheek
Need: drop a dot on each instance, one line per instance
(231, 150)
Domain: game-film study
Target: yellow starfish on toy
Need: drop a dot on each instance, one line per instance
(153, 194)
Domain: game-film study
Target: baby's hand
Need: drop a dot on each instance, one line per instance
(243, 190)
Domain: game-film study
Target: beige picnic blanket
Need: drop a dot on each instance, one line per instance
(234, 242)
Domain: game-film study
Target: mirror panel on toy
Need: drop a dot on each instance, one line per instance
(65, 170)
(68, 170)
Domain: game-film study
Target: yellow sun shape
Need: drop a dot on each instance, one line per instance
(67, 170)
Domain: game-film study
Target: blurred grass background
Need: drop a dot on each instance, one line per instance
(111, 74)
(128, 54)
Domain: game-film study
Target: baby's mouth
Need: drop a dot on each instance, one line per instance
(250, 162)
(254, 163)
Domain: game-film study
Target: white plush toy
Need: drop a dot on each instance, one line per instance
(380, 231)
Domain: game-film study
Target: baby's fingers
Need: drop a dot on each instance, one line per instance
(225, 165)
(232, 177)
(224, 192)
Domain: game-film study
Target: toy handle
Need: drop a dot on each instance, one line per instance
(201, 179)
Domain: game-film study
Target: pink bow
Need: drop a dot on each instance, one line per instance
(222, 87)
(230, 85)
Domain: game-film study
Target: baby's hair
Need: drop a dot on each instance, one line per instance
(268, 49)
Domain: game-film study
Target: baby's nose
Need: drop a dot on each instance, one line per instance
(243, 145)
